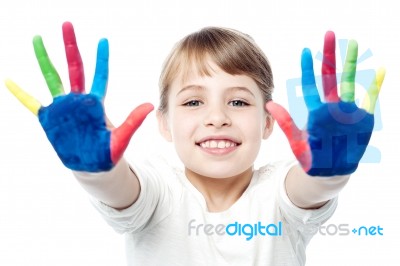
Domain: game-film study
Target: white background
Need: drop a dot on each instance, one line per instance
(46, 218)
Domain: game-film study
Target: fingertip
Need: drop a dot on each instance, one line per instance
(37, 39)
(329, 42)
(275, 109)
(10, 84)
(306, 59)
(103, 47)
(67, 25)
(330, 35)
(136, 117)
(27, 100)
(380, 76)
(141, 112)
(68, 33)
(146, 108)
(382, 71)
(103, 41)
(353, 44)
(330, 32)
(306, 51)
(38, 46)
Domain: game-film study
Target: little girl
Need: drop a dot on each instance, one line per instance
(216, 108)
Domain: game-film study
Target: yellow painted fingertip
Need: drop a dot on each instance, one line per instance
(27, 100)
(373, 91)
(380, 76)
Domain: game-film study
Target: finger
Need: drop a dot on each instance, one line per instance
(373, 91)
(328, 70)
(347, 85)
(75, 65)
(28, 101)
(310, 91)
(49, 72)
(121, 136)
(285, 121)
(297, 138)
(99, 87)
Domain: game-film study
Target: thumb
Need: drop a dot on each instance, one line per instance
(296, 137)
(121, 136)
(284, 120)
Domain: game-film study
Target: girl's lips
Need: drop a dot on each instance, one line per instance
(215, 140)
(218, 145)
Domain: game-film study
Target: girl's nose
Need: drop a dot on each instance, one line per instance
(217, 117)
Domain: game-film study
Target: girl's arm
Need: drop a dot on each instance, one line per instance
(118, 188)
(309, 192)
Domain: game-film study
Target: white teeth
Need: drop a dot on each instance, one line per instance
(213, 144)
(220, 144)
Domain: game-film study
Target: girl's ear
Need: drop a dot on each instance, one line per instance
(163, 126)
(269, 125)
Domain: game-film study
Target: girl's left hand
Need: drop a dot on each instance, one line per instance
(337, 131)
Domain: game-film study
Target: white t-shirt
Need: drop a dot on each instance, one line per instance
(169, 224)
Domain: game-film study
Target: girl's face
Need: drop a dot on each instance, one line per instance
(216, 123)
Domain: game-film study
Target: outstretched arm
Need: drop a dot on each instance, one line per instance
(78, 129)
(337, 132)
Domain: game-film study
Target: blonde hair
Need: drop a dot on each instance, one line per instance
(232, 51)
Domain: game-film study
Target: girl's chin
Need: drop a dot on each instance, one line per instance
(218, 173)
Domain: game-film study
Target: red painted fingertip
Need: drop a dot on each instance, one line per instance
(329, 68)
(74, 59)
(329, 42)
(121, 136)
(67, 26)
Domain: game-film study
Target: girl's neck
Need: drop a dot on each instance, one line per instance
(220, 193)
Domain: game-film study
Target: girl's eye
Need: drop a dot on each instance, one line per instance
(192, 103)
(238, 103)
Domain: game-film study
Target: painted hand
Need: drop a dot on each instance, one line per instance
(75, 123)
(337, 131)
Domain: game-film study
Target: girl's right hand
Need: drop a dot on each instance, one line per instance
(75, 123)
